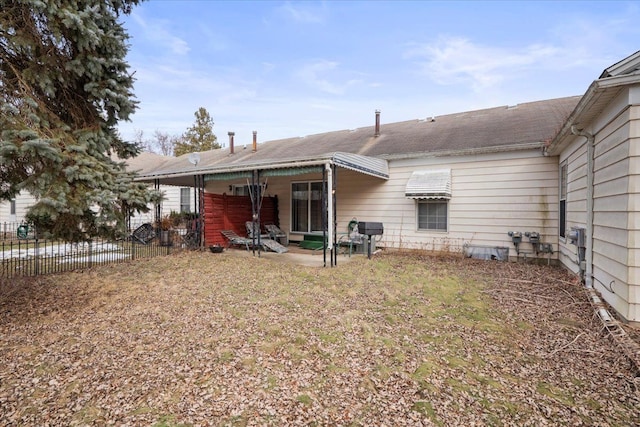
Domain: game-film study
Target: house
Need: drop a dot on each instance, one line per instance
(12, 213)
(437, 183)
(557, 180)
(177, 199)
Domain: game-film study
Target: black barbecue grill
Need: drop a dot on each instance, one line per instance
(369, 228)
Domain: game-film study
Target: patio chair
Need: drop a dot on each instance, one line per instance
(352, 238)
(143, 234)
(253, 232)
(234, 239)
(277, 234)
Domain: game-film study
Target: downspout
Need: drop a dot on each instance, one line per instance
(335, 212)
(588, 276)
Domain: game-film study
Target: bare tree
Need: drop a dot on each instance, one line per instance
(164, 143)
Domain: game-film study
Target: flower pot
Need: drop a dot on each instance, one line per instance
(165, 238)
(216, 249)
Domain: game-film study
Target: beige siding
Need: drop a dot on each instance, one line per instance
(611, 215)
(576, 205)
(491, 195)
(633, 241)
(616, 217)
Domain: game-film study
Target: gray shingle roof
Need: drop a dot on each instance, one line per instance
(488, 129)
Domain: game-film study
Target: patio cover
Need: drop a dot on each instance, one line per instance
(175, 174)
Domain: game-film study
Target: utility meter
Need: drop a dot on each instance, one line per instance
(534, 237)
(516, 237)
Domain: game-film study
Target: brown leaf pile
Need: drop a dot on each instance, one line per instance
(402, 339)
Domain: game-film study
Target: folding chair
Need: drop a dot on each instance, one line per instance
(277, 234)
(236, 240)
(144, 233)
(253, 232)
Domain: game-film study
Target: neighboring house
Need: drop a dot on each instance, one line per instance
(177, 199)
(15, 209)
(478, 179)
(12, 213)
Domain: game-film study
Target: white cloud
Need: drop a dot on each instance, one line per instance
(157, 32)
(302, 13)
(315, 74)
(457, 60)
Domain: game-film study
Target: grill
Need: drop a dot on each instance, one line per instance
(369, 228)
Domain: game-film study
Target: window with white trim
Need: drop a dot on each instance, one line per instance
(306, 207)
(12, 207)
(433, 215)
(185, 200)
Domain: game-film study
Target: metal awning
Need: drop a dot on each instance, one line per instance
(429, 184)
(173, 172)
(368, 165)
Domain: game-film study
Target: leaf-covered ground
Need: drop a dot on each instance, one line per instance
(402, 339)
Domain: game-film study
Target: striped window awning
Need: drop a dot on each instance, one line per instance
(429, 184)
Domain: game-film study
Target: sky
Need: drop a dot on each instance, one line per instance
(290, 69)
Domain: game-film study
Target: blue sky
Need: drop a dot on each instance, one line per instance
(287, 69)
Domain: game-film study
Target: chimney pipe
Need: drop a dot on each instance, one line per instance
(255, 141)
(231, 134)
(377, 131)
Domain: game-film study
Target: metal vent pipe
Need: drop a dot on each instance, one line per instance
(231, 134)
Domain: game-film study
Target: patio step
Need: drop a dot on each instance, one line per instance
(312, 241)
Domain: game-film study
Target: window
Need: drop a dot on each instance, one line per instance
(563, 200)
(12, 207)
(240, 190)
(244, 190)
(185, 200)
(306, 207)
(432, 215)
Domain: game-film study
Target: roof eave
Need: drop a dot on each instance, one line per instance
(597, 89)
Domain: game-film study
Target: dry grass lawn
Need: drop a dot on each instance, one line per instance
(402, 339)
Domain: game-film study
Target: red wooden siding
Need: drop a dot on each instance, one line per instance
(225, 212)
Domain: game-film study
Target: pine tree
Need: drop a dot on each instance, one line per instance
(64, 85)
(199, 137)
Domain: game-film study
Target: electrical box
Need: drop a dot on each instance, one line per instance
(516, 237)
(370, 228)
(577, 236)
